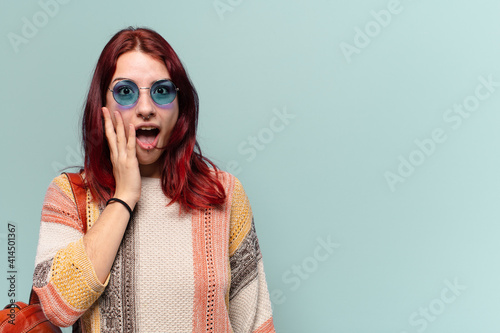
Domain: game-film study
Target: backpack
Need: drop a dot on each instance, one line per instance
(20, 317)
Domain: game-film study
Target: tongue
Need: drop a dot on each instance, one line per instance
(146, 136)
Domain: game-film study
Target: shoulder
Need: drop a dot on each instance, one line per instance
(236, 197)
(232, 185)
(62, 185)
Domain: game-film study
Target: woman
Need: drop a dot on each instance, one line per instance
(171, 243)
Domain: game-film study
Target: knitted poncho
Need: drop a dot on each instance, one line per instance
(191, 272)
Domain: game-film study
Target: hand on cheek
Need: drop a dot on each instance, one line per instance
(111, 114)
(123, 157)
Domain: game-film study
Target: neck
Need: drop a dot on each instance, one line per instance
(151, 170)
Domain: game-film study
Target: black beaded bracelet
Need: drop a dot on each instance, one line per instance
(123, 203)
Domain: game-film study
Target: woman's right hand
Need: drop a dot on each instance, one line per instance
(123, 157)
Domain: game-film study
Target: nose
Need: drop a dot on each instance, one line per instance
(145, 104)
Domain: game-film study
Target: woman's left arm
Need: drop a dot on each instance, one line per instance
(249, 304)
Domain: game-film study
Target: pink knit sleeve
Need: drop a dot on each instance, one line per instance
(64, 278)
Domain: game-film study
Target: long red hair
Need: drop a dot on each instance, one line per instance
(187, 176)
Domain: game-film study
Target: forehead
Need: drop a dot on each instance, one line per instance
(140, 67)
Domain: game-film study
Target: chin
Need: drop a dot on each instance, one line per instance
(148, 158)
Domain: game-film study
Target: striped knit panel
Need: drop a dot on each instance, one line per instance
(64, 278)
(117, 310)
(210, 257)
(250, 309)
(266, 327)
(250, 306)
(90, 320)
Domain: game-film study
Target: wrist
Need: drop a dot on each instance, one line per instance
(121, 202)
(130, 201)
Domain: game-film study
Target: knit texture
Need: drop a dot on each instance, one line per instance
(174, 272)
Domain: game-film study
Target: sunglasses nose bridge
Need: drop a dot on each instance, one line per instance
(147, 93)
(145, 104)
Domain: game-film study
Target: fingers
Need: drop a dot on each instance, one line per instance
(131, 140)
(119, 144)
(121, 141)
(110, 131)
(122, 146)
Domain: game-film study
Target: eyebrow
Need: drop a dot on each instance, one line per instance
(124, 78)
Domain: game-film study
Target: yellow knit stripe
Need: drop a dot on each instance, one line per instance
(91, 319)
(74, 277)
(92, 210)
(241, 217)
(62, 182)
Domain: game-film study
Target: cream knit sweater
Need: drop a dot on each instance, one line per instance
(196, 272)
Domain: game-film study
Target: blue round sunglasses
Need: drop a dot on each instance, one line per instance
(126, 92)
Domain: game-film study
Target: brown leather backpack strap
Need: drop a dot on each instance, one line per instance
(34, 297)
(80, 194)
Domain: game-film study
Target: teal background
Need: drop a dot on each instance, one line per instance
(320, 176)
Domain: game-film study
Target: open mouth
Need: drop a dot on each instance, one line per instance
(147, 137)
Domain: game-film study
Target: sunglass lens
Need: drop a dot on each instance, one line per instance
(163, 92)
(126, 92)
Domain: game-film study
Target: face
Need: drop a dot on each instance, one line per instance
(153, 122)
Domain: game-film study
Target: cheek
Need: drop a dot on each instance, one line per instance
(175, 117)
(126, 117)
(124, 108)
(170, 116)
(169, 124)
(113, 106)
(173, 122)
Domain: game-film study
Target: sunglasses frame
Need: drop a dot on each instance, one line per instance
(150, 93)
